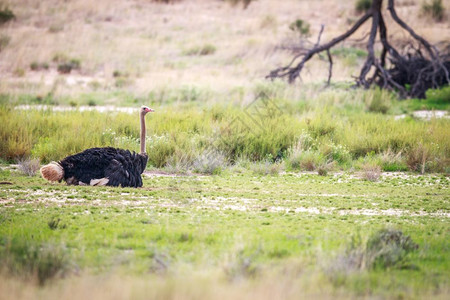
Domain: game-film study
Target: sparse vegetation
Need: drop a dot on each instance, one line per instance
(6, 14)
(207, 49)
(371, 172)
(434, 9)
(245, 3)
(33, 260)
(4, 41)
(362, 5)
(29, 166)
(301, 27)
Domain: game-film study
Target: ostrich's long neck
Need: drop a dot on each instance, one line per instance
(143, 134)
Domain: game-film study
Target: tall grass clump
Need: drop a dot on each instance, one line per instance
(6, 14)
(384, 249)
(29, 259)
(435, 9)
(29, 166)
(362, 5)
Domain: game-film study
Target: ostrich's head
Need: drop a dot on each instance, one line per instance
(145, 110)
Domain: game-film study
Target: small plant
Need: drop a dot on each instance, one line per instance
(6, 15)
(30, 259)
(378, 100)
(266, 168)
(55, 28)
(36, 66)
(371, 172)
(166, 1)
(301, 27)
(209, 162)
(322, 171)
(362, 5)
(268, 21)
(386, 248)
(245, 3)
(66, 67)
(55, 223)
(19, 72)
(418, 157)
(29, 166)
(305, 160)
(4, 41)
(122, 82)
(435, 9)
(206, 49)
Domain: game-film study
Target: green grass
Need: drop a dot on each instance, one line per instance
(234, 227)
(341, 127)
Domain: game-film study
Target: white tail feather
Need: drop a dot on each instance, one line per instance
(99, 182)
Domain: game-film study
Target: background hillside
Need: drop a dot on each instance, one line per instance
(143, 47)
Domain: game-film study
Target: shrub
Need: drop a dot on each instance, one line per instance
(379, 100)
(35, 66)
(363, 5)
(371, 172)
(266, 168)
(210, 161)
(322, 171)
(417, 158)
(29, 166)
(386, 248)
(301, 27)
(392, 161)
(245, 3)
(166, 1)
(305, 160)
(66, 67)
(435, 9)
(6, 15)
(4, 41)
(438, 95)
(206, 49)
(29, 259)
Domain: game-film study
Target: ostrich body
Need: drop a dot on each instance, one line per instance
(102, 166)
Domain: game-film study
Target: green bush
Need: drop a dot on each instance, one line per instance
(363, 5)
(435, 9)
(386, 248)
(438, 95)
(6, 14)
(379, 100)
(206, 49)
(245, 3)
(32, 259)
(66, 67)
(301, 27)
(177, 136)
(4, 41)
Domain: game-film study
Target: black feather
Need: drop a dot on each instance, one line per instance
(121, 167)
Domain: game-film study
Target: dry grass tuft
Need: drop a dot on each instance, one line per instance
(29, 166)
(371, 172)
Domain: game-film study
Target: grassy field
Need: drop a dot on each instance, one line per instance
(237, 234)
(253, 189)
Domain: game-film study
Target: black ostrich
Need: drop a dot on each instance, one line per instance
(102, 166)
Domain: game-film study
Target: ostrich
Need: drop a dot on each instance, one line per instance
(102, 166)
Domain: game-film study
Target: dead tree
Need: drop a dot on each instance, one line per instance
(410, 74)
